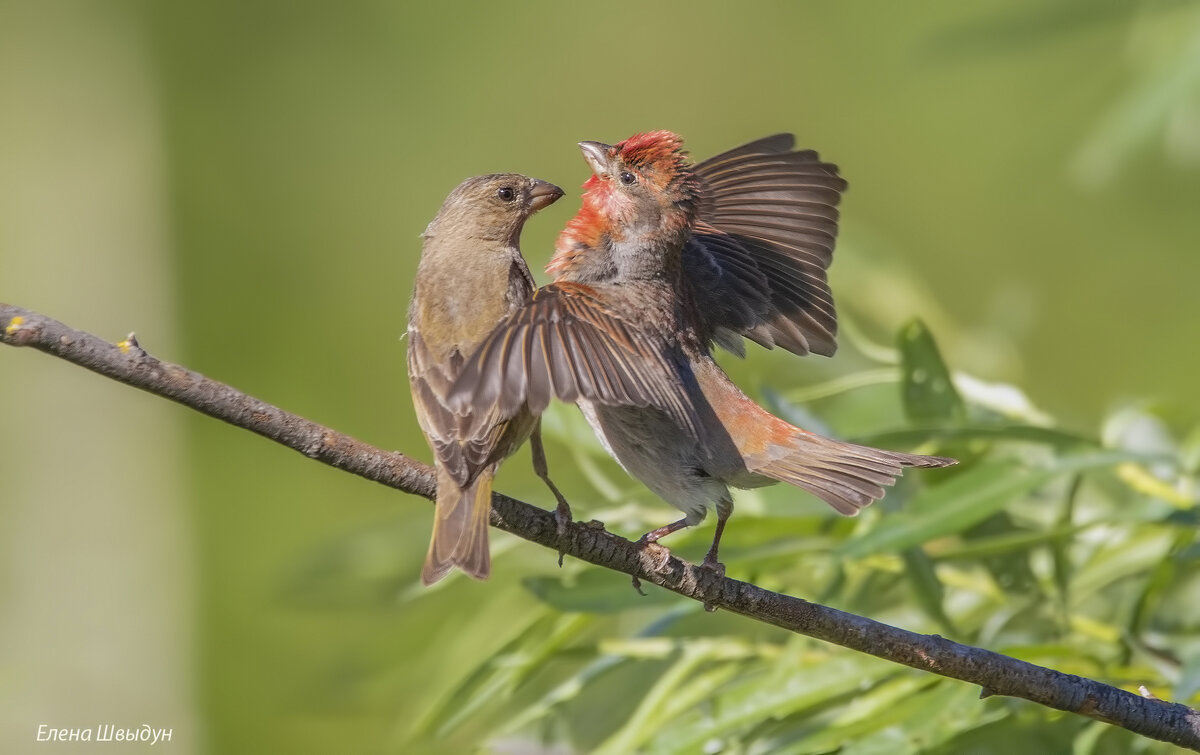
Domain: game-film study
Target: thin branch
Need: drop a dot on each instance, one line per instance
(996, 674)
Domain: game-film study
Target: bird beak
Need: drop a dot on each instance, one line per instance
(596, 154)
(543, 194)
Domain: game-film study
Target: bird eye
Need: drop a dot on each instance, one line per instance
(627, 178)
(506, 194)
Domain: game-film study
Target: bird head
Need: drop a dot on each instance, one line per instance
(642, 195)
(491, 208)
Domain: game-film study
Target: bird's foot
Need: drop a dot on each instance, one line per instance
(562, 521)
(562, 517)
(713, 565)
(710, 563)
(653, 557)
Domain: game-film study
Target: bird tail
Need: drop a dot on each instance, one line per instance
(460, 528)
(847, 476)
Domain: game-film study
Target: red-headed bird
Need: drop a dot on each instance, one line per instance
(683, 257)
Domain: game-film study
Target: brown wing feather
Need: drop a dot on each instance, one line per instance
(765, 234)
(463, 444)
(567, 344)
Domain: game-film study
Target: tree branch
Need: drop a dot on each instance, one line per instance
(996, 674)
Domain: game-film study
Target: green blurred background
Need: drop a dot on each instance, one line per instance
(243, 184)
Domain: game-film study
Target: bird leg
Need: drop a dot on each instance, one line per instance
(710, 562)
(724, 509)
(653, 536)
(562, 513)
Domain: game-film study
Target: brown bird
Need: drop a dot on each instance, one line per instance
(471, 276)
(687, 257)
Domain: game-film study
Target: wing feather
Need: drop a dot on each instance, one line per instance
(764, 238)
(566, 342)
(464, 446)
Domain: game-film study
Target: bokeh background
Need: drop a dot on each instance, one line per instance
(243, 184)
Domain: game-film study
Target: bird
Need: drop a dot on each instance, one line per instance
(471, 275)
(685, 258)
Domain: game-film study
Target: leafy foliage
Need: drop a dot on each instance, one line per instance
(1075, 553)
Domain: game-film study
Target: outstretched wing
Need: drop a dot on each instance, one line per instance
(764, 237)
(567, 344)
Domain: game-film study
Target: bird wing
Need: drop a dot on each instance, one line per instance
(567, 344)
(464, 443)
(764, 237)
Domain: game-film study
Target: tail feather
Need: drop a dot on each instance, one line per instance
(848, 477)
(460, 529)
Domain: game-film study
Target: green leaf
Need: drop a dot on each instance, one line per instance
(1011, 570)
(994, 545)
(685, 683)
(927, 587)
(1126, 555)
(967, 499)
(1088, 739)
(497, 677)
(929, 394)
(595, 591)
(577, 684)
(840, 384)
(873, 709)
(984, 433)
(914, 723)
(1060, 549)
(1189, 678)
(787, 689)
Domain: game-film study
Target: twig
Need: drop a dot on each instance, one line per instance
(996, 674)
